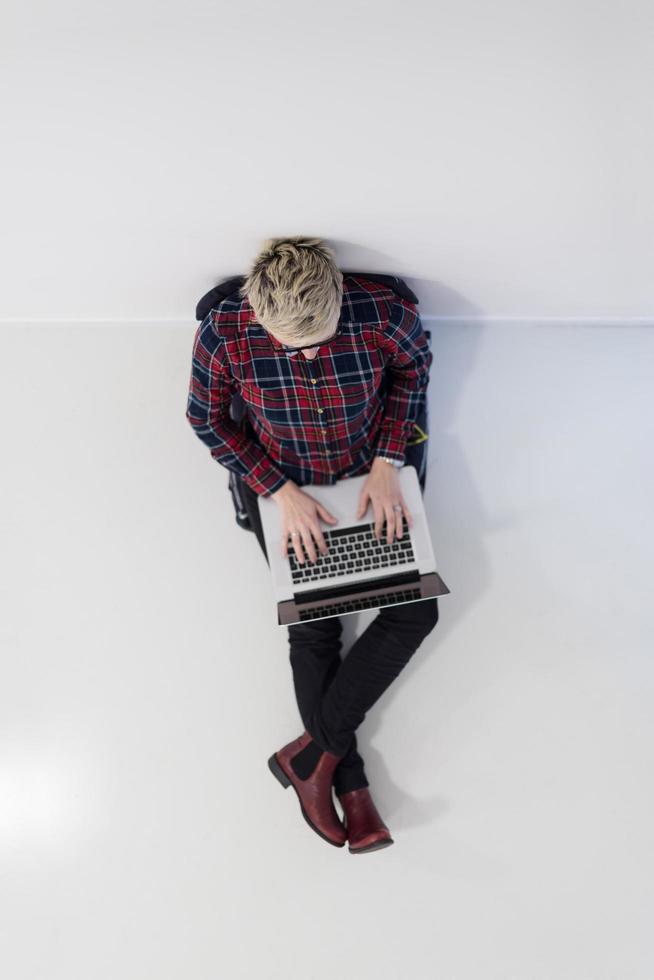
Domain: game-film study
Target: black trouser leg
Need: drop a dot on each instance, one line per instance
(315, 658)
(372, 664)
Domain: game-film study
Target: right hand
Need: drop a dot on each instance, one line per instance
(301, 512)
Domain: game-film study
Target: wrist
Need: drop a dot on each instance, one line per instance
(387, 461)
(283, 490)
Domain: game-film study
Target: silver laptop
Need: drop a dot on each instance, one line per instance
(358, 572)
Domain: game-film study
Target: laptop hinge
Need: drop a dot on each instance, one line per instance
(356, 588)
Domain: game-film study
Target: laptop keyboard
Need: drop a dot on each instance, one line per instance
(363, 602)
(353, 549)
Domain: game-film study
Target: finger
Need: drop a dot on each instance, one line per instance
(409, 518)
(308, 544)
(379, 520)
(363, 504)
(390, 522)
(326, 516)
(320, 541)
(297, 547)
(399, 523)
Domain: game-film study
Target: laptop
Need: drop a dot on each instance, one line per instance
(358, 572)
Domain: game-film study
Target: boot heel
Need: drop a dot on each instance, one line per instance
(278, 772)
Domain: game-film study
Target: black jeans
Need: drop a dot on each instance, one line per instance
(334, 694)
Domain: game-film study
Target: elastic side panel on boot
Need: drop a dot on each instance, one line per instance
(306, 760)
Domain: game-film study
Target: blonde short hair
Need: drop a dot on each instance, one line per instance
(295, 288)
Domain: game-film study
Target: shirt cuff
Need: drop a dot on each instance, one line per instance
(265, 479)
(392, 445)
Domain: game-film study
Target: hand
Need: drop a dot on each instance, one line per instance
(300, 512)
(382, 488)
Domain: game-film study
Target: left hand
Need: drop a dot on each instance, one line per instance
(382, 489)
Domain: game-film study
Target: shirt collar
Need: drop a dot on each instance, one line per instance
(273, 340)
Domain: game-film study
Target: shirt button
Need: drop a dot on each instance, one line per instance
(313, 381)
(321, 410)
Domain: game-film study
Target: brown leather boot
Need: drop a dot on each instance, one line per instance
(366, 831)
(315, 792)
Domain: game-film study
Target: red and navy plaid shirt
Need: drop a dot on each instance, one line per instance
(315, 421)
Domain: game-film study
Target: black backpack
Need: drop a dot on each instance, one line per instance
(416, 452)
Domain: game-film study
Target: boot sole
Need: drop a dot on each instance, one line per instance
(281, 776)
(372, 847)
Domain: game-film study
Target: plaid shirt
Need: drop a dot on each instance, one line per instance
(315, 421)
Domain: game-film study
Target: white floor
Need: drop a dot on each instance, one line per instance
(145, 682)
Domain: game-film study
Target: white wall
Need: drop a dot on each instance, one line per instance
(499, 153)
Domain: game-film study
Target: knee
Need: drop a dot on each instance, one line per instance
(425, 616)
(429, 613)
(316, 630)
(417, 618)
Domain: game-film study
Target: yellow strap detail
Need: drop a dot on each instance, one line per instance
(421, 438)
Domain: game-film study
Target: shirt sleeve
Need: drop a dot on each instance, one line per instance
(410, 360)
(210, 393)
